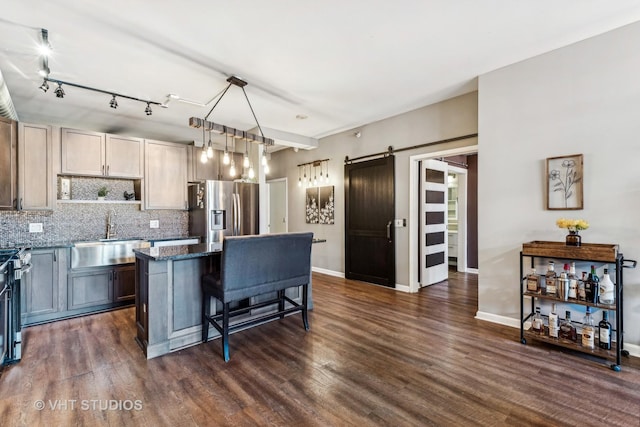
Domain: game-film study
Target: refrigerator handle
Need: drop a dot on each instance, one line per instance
(235, 214)
(239, 215)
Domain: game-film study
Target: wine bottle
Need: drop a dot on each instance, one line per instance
(536, 323)
(550, 280)
(588, 331)
(573, 282)
(567, 330)
(607, 294)
(582, 287)
(533, 282)
(604, 331)
(553, 322)
(595, 285)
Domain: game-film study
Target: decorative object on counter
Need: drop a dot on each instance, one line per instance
(564, 182)
(129, 196)
(574, 226)
(312, 179)
(102, 192)
(197, 123)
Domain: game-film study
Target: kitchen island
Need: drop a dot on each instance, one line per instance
(169, 296)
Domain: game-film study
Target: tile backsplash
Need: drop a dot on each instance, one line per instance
(82, 218)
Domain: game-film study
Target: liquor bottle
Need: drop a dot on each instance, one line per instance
(563, 284)
(550, 280)
(588, 331)
(567, 330)
(607, 294)
(553, 322)
(592, 286)
(582, 291)
(573, 282)
(533, 282)
(536, 323)
(604, 331)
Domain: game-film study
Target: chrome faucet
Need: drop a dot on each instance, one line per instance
(110, 225)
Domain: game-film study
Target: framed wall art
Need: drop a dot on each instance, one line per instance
(565, 182)
(319, 207)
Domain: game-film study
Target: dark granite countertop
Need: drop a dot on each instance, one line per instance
(172, 253)
(42, 245)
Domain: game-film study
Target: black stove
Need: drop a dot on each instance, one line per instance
(14, 263)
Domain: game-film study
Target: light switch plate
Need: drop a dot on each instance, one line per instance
(399, 222)
(154, 223)
(35, 227)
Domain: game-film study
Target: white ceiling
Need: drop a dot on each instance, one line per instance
(340, 63)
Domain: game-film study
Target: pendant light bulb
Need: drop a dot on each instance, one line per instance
(245, 162)
(299, 182)
(203, 156)
(252, 173)
(225, 157)
(210, 152)
(232, 169)
(264, 159)
(266, 169)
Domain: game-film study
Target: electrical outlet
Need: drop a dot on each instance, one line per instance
(35, 227)
(154, 223)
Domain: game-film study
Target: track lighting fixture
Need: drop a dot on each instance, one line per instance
(45, 50)
(59, 91)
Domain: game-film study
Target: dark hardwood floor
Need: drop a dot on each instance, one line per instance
(373, 356)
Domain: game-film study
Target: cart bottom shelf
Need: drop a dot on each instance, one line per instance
(597, 351)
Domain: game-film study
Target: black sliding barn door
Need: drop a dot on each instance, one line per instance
(369, 213)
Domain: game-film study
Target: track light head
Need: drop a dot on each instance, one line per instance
(113, 103)
(147, 110)
(59, 91)
(44, 86)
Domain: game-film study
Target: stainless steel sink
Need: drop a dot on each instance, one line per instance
(105, 252)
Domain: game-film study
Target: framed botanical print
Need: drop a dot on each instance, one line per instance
(565, 182)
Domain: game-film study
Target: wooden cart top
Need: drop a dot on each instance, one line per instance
(586, 252)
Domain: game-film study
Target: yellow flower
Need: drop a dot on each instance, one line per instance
(572, 224)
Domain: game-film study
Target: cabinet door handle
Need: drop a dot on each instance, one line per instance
(55, 259)
(115, 275)
(20, 203)
(107, 170)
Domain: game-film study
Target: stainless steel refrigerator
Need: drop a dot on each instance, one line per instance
(223, 208)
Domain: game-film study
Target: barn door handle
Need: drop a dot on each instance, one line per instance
(389, 230)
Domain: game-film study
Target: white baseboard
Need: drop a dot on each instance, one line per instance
(472, 270)
(403, 288)
(634, 350)
(328, 272)
(501, 320)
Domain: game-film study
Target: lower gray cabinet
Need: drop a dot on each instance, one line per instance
(90, 288)
(43, 291)
(100, 286)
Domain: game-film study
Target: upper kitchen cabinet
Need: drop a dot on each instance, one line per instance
(8, 164)
(97, 154)
(36, 177)
(165, 180)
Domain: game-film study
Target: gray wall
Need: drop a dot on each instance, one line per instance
(451, 118)
(584, 98)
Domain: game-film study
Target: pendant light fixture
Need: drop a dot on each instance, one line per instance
(235, 133)
(232, 169)
(225, 157)
(299, 178)
(210, 147)
(203, 153)
(312, 179)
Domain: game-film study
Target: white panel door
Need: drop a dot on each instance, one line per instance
(433, 222)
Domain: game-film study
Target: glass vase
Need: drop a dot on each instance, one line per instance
(573, 239)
